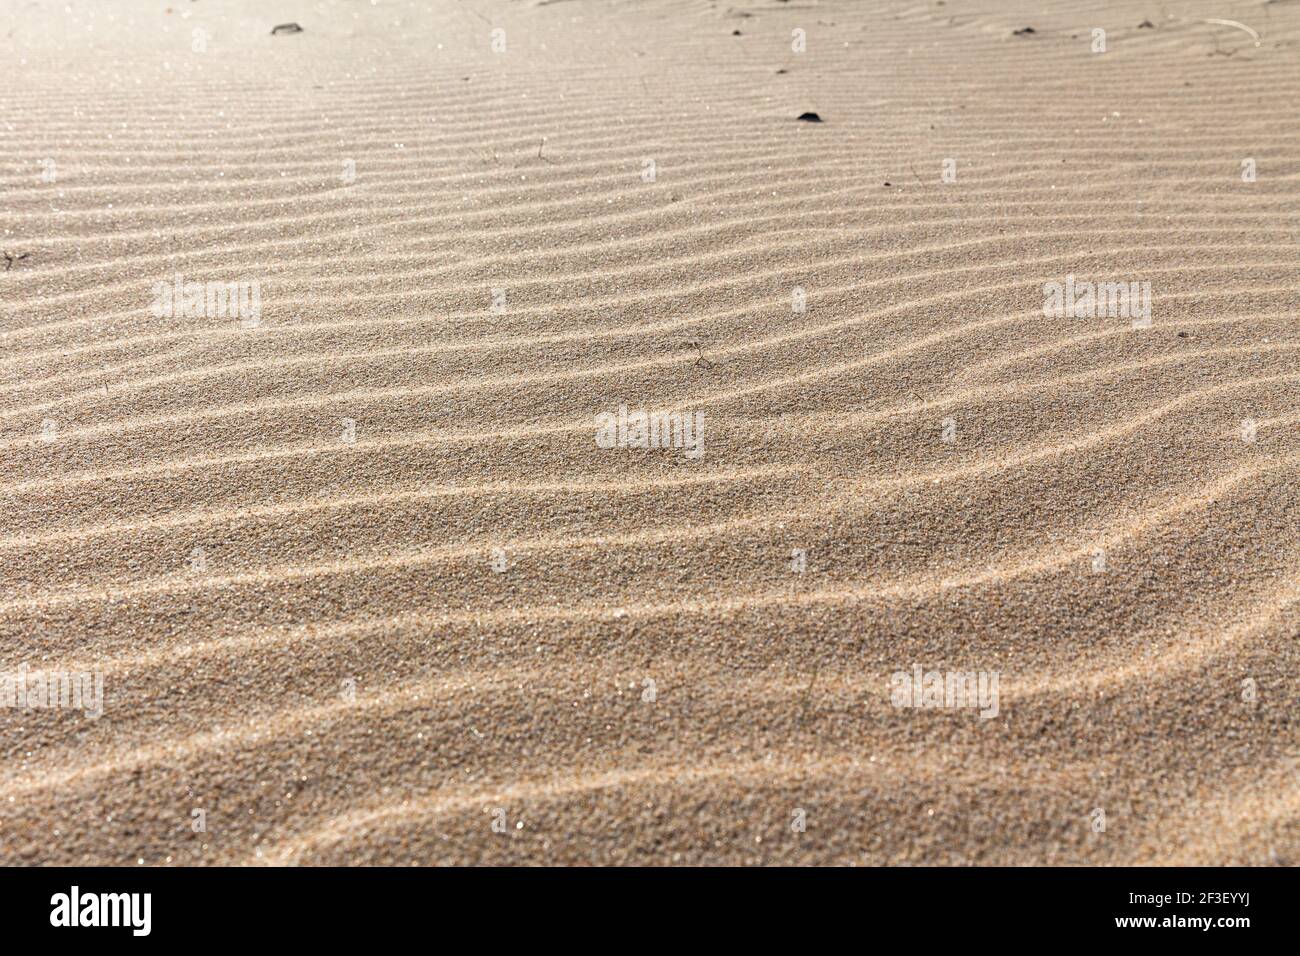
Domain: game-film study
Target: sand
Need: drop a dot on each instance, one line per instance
(363, 587)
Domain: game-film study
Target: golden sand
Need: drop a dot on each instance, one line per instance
(363, 587)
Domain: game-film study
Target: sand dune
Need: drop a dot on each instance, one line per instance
(339, 537)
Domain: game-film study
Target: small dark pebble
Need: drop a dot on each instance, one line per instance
(886, 184)
(286, 28)
(1023, 31)
(737, 33)
(779, 72)
(1146, 25)
(810, 117)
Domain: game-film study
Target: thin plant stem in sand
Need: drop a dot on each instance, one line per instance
(699, 348)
